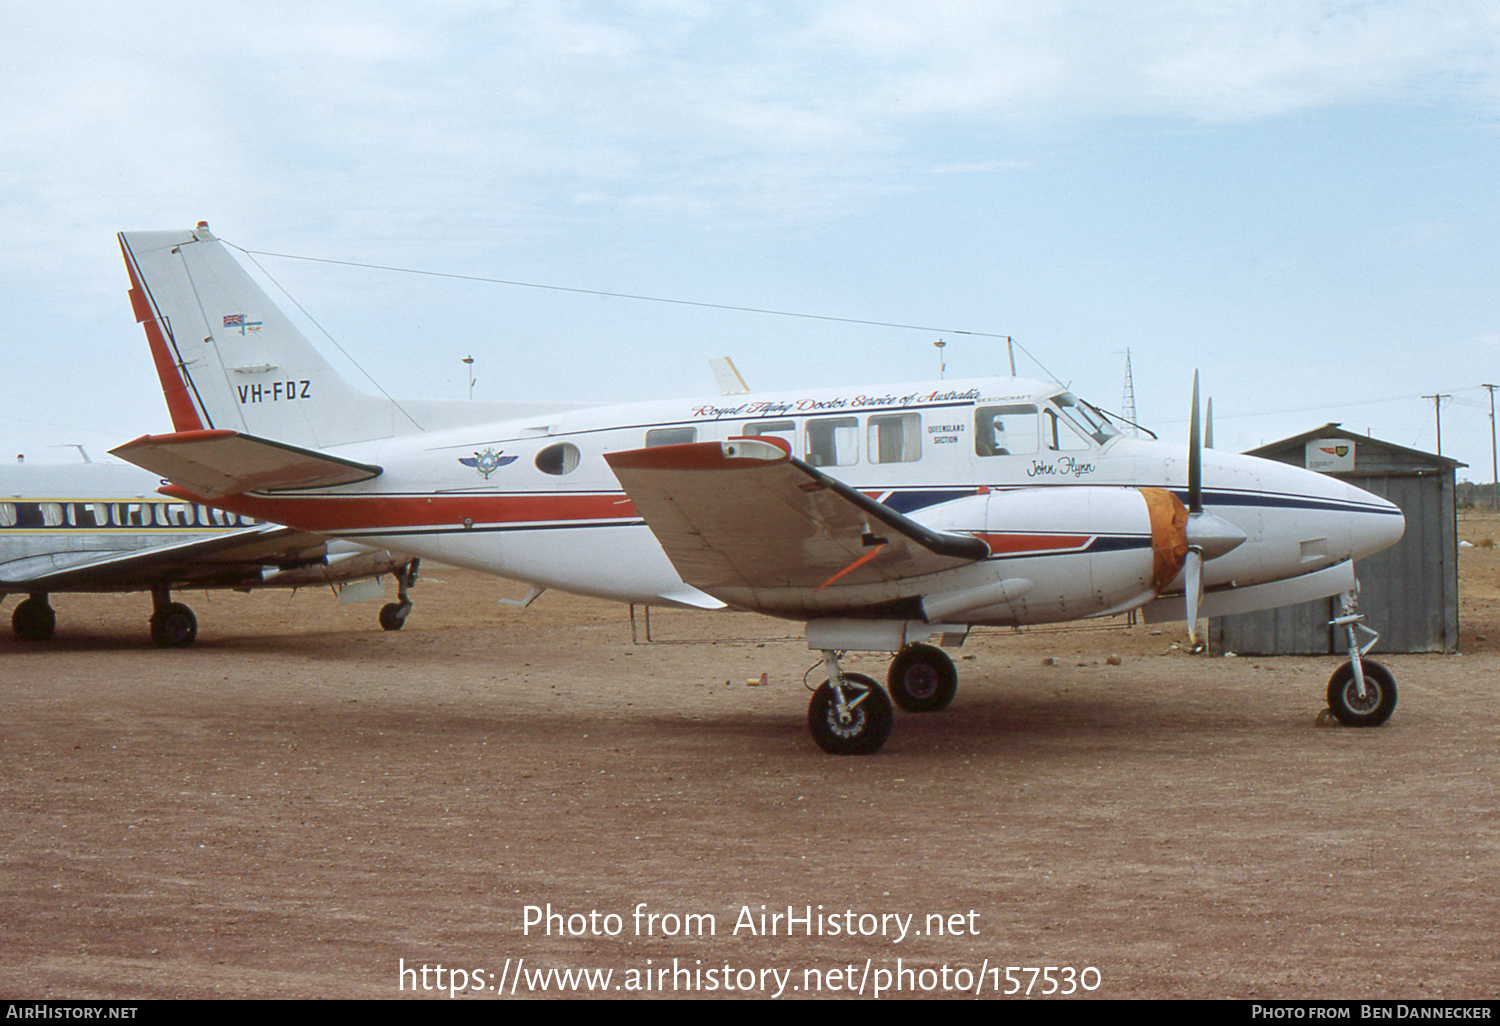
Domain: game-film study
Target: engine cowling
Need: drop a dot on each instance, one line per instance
(1060, 553)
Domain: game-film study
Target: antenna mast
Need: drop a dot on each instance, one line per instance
(1128, 403)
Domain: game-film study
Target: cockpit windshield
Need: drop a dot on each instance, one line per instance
(1088, 420)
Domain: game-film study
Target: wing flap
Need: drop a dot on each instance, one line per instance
(214, 464)
(744, 516)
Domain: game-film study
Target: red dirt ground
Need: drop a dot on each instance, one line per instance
(302, 805)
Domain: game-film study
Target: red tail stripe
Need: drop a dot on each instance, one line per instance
(179, 400)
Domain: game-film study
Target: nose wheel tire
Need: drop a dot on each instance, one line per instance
(1371, 710)
(865, 723)
(922, 679)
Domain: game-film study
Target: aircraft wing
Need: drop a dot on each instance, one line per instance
(228, 559)
(213, 464)
(746, 522)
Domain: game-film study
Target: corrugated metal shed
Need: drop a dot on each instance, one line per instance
(1409, 592)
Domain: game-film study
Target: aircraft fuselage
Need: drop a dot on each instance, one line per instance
(533, 499)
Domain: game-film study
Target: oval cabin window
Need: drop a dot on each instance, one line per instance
(561, 458)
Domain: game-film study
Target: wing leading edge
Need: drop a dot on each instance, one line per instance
(749, 524)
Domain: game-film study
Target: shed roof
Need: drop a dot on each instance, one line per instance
(1333, 430)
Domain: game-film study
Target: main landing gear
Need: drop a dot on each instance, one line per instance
(173, 624)
(851, 715)
(1361, 692)
(33, 619)
(393, 614)
(922, 679)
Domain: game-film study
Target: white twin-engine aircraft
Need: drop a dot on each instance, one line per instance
(882, 517)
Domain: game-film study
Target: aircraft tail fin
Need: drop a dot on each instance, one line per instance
(229, 359)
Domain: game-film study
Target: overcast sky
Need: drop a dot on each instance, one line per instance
(1299, 198)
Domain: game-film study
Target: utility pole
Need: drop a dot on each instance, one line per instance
(1494, 463)
(942, 361)
(470, 361)
(1437, 405)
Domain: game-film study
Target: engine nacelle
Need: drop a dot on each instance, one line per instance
(1059, 553)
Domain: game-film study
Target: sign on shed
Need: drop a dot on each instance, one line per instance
(1330, 455)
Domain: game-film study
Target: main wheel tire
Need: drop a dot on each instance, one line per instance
(1374, 708)
(393, 616)
(33, 620)
(922, 679)
(869, 722)
(174, 626)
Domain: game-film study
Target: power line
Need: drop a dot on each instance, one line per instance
(648, 299)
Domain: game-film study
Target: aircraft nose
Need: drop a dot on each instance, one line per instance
(1380, 527)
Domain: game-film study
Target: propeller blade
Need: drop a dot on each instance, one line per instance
(1195, 456)
(1192, 577)
(1208, 424)
(1192, 568)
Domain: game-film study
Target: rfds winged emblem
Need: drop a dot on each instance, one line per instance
(487, 462)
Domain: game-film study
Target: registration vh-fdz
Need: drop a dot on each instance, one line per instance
(883, 517)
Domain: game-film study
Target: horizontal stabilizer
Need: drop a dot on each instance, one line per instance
(213, 464)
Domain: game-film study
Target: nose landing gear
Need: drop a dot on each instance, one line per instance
(1361, 692)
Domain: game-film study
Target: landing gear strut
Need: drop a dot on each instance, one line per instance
(1361, 692)
(173, 624)
(33, 619)
(393, 614)
(849, 713)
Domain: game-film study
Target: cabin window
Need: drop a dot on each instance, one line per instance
(7, 514)
(671, 436)
(28, 514)
(52, 514)
(786, 430)
(833, 441)
(558, 459)
(88, 514)
(174, 514)
(895, 438)
(1005, 430)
